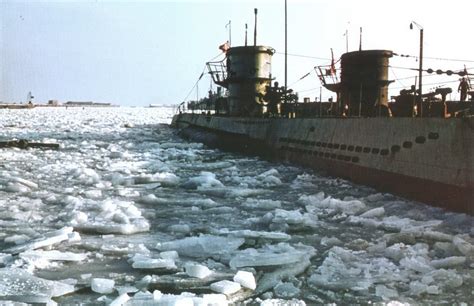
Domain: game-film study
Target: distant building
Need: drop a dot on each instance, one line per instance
(87, 103)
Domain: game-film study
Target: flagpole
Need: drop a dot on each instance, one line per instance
(230, 31)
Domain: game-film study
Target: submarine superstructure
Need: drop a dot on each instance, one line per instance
(360, 136)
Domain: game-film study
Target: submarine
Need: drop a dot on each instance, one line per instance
(418, 146)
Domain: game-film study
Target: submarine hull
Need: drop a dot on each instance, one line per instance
(429, 160)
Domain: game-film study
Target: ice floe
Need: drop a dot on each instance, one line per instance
(202, 246)
(21, 286)
(194, 216)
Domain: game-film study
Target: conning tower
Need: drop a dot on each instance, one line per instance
(248, 75)
(364, 83)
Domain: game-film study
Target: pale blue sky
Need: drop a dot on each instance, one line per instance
(142, 52)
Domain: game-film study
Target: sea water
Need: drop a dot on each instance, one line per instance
(126, 212)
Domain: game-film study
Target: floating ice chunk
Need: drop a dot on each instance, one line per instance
(463, 246)
(86, 176)
(289, 217)
(374, 213)
(205, 180)
(27, 183)
(443, 278)
(79, 217)
(102, 285)
(396, 251)
(46, 240)
(449, 262)
(52, 255)
(375, 197)
(358, 244)
(273, 172)
(166, 179)
(17, 187)
(93, 194)
(270, 178)
(249, 234)
(169, 255)
(277, 302)
(417, 288)
(17, 239)
(270, 255)
(213, 299)
(151, 199)
(225, 287)
(416, 263)
(310, 200)
(5, 258)
(73, 237)
(345, 269)
(385, 293)
(202, 246)
(196, 270)
(173, 300)
(261, 204)
(28, 288)
(395, 224)
(143, 298)
(437, 236)
(109, 227)
(179, 228)
(145, 262)
(72, 202)
(126, 289)
(315, 203)
(245, 279)
(330, 241)
(348, 207)
(120, 300)
(286, 290)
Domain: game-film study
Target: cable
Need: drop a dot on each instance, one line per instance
(305, 56)
(215, 57)
(435, 58)
(195, 84)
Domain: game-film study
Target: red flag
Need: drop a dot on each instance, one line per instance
(224, 47)
(333, 64)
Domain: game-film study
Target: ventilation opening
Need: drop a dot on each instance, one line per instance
(395, 148)
(420, 139)
(433, 135)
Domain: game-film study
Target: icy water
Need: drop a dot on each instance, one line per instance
(126, 212)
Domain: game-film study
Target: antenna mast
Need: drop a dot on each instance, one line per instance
(255, 29)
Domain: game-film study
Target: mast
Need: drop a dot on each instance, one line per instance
(255, 29)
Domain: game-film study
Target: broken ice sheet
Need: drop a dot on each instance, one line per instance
(18, 285)
(271, 255)
(140, 261)
(202, 246)
(53, 255)
(45, 240)
(133, 226)
(260, 235)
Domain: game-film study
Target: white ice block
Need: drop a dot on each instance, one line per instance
(102, 285)
(196, 270)
(246, 279)
(120, 300)
(225, 287)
